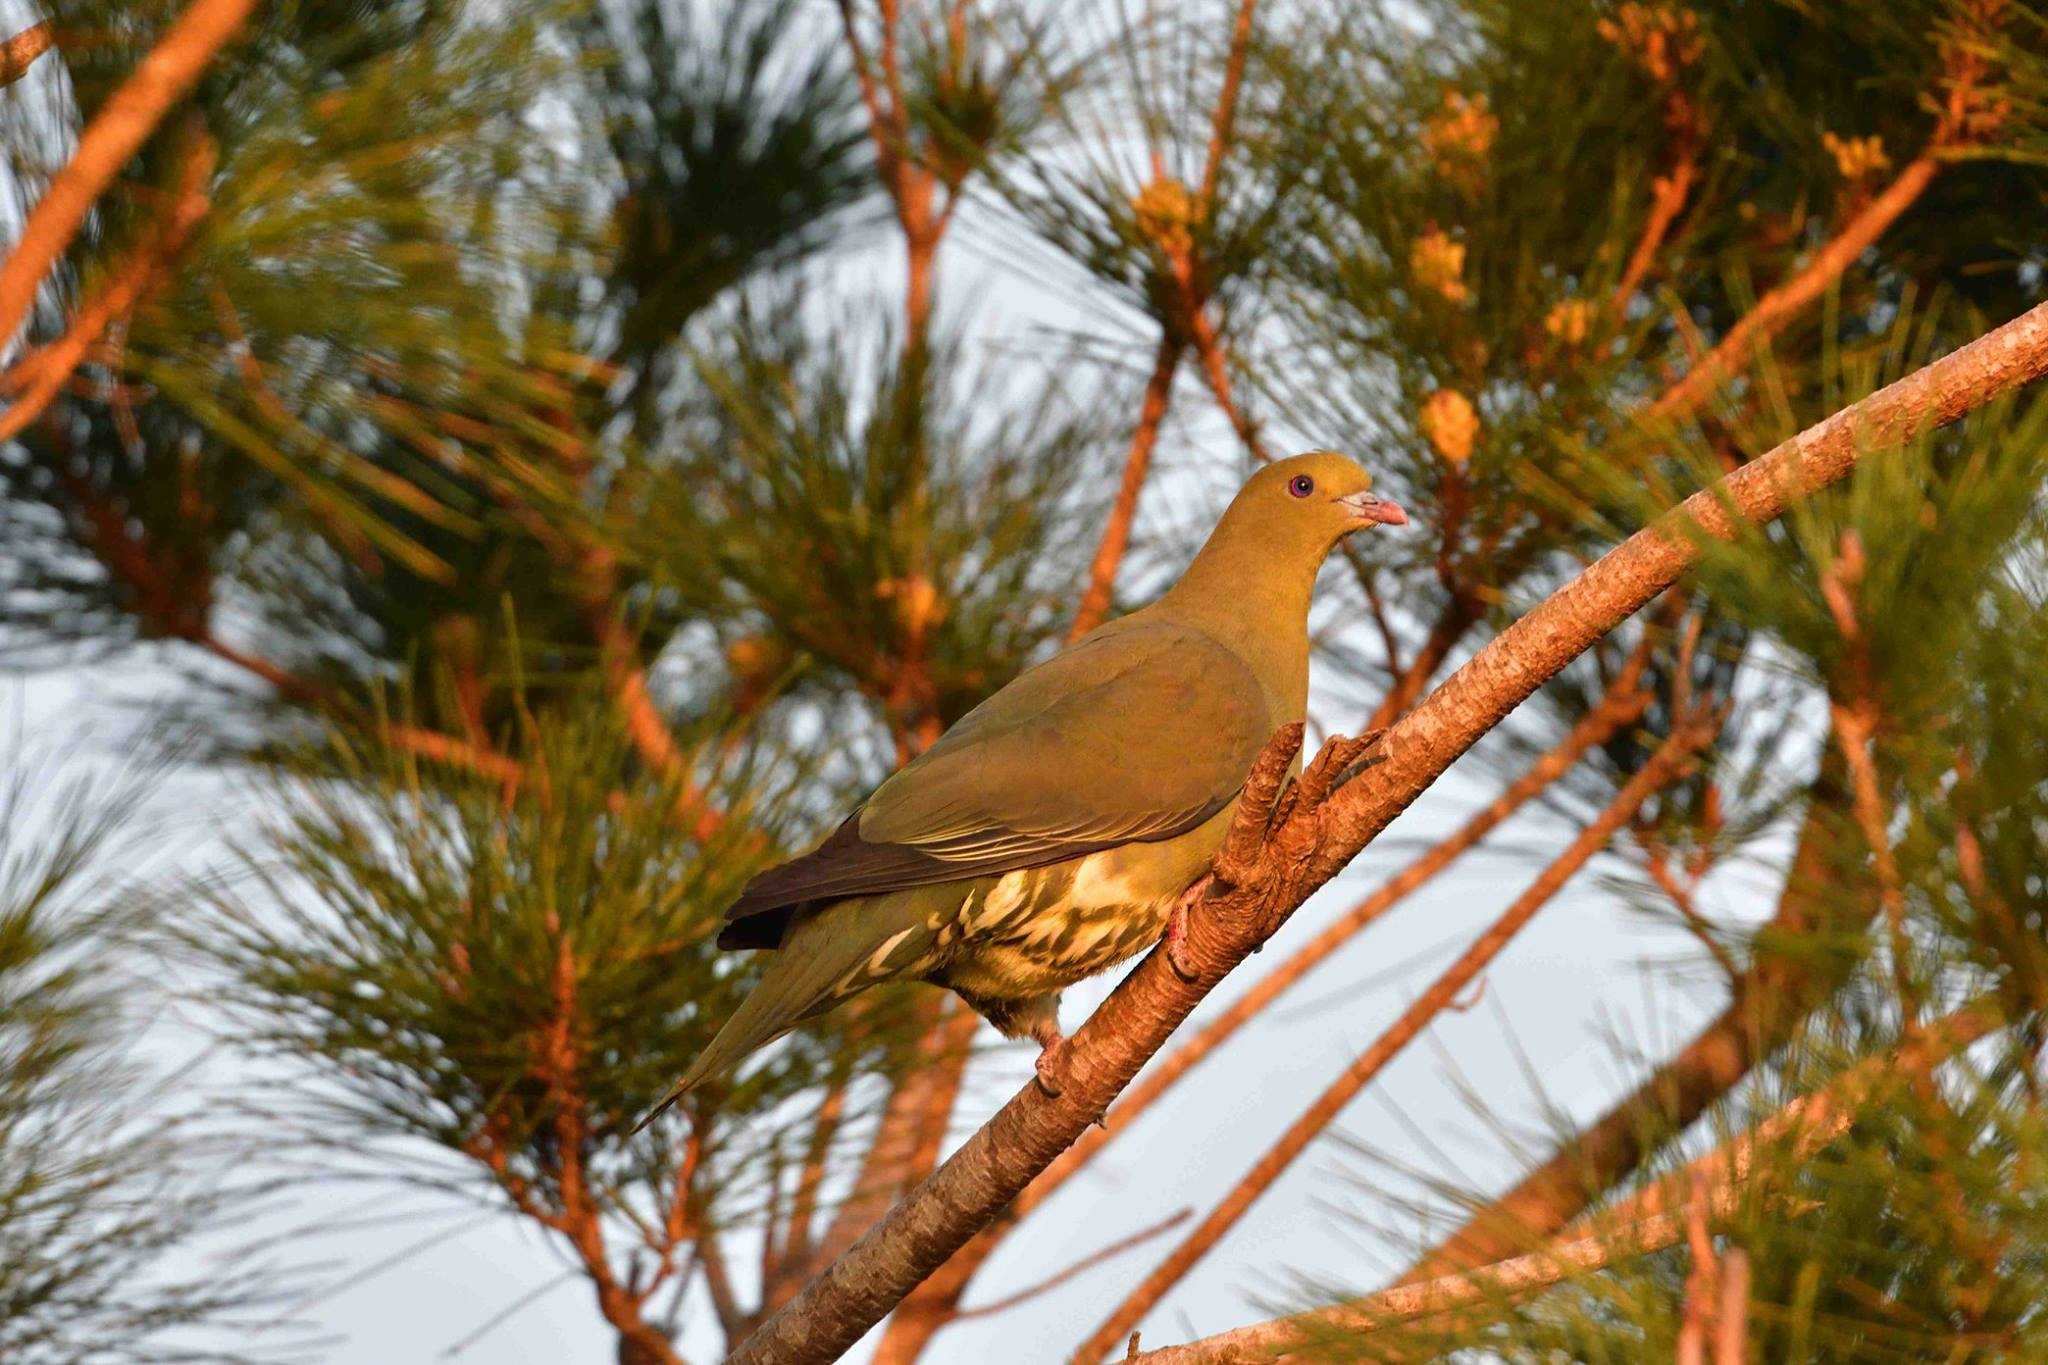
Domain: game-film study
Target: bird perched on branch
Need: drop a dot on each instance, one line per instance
(1050, 833)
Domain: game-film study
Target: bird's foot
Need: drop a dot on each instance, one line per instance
(1052, 1058)
(1174, 940)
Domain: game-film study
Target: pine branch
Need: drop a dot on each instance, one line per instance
(1216, 369)
(1669, 762)
(18, 53)
(1777, 308)
(1174, 333)
(1116, 534)
(1225, 116)
(645, 725)
(428, 744)
(913, 186)
(42, 375)
(999, 1160)
(1647, 1221)
(168, 612)
(129, 116)
(1667, 201)
(1501, 1281)
(580, 1218)
(1964, 69)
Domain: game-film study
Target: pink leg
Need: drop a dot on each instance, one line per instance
(1175, 938)
(1051, 1053)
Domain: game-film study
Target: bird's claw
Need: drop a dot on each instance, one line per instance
(1174, 941)
(1052, 1058)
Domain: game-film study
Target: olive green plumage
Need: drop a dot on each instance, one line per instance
(1045, 836)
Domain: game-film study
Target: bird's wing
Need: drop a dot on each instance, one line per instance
(1141, 732)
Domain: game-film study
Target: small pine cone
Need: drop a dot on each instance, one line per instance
(1450, 424)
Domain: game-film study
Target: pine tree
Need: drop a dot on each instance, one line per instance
(113, 1214)
(483, 405)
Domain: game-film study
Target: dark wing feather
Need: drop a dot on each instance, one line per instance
(1142, 732)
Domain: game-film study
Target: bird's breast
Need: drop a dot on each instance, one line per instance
(1037, 931)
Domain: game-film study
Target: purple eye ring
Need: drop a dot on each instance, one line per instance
(1301, 485)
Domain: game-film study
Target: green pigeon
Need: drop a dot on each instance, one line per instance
(1048, 835)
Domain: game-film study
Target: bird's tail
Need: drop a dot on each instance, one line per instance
(826, 958)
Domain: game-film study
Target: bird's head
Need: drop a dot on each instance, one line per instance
(1311, 502)
(1252, 579)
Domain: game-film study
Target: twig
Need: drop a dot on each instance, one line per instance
(1116, 533)
(995, 1164)
(428, 744)
(733, 1320)
(506, 1314)
(1964, 68)
(1856, 722)
(128, 117)
(1080, 1267)
(1667, 200)
(1659, 864)
(1731, 1341)
(1216, 369)
(797, 1239)
(1460, 614)
(20, 51)
(911, 1128)
(41, 376)
(1225, 115)
(645, 724)
(1702, 1283)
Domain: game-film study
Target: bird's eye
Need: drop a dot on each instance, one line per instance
(1301, 485)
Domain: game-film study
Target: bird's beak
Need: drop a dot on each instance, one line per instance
(1372, 509)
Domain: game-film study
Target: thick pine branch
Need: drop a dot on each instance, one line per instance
(1622, 705)
(1311, 845)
